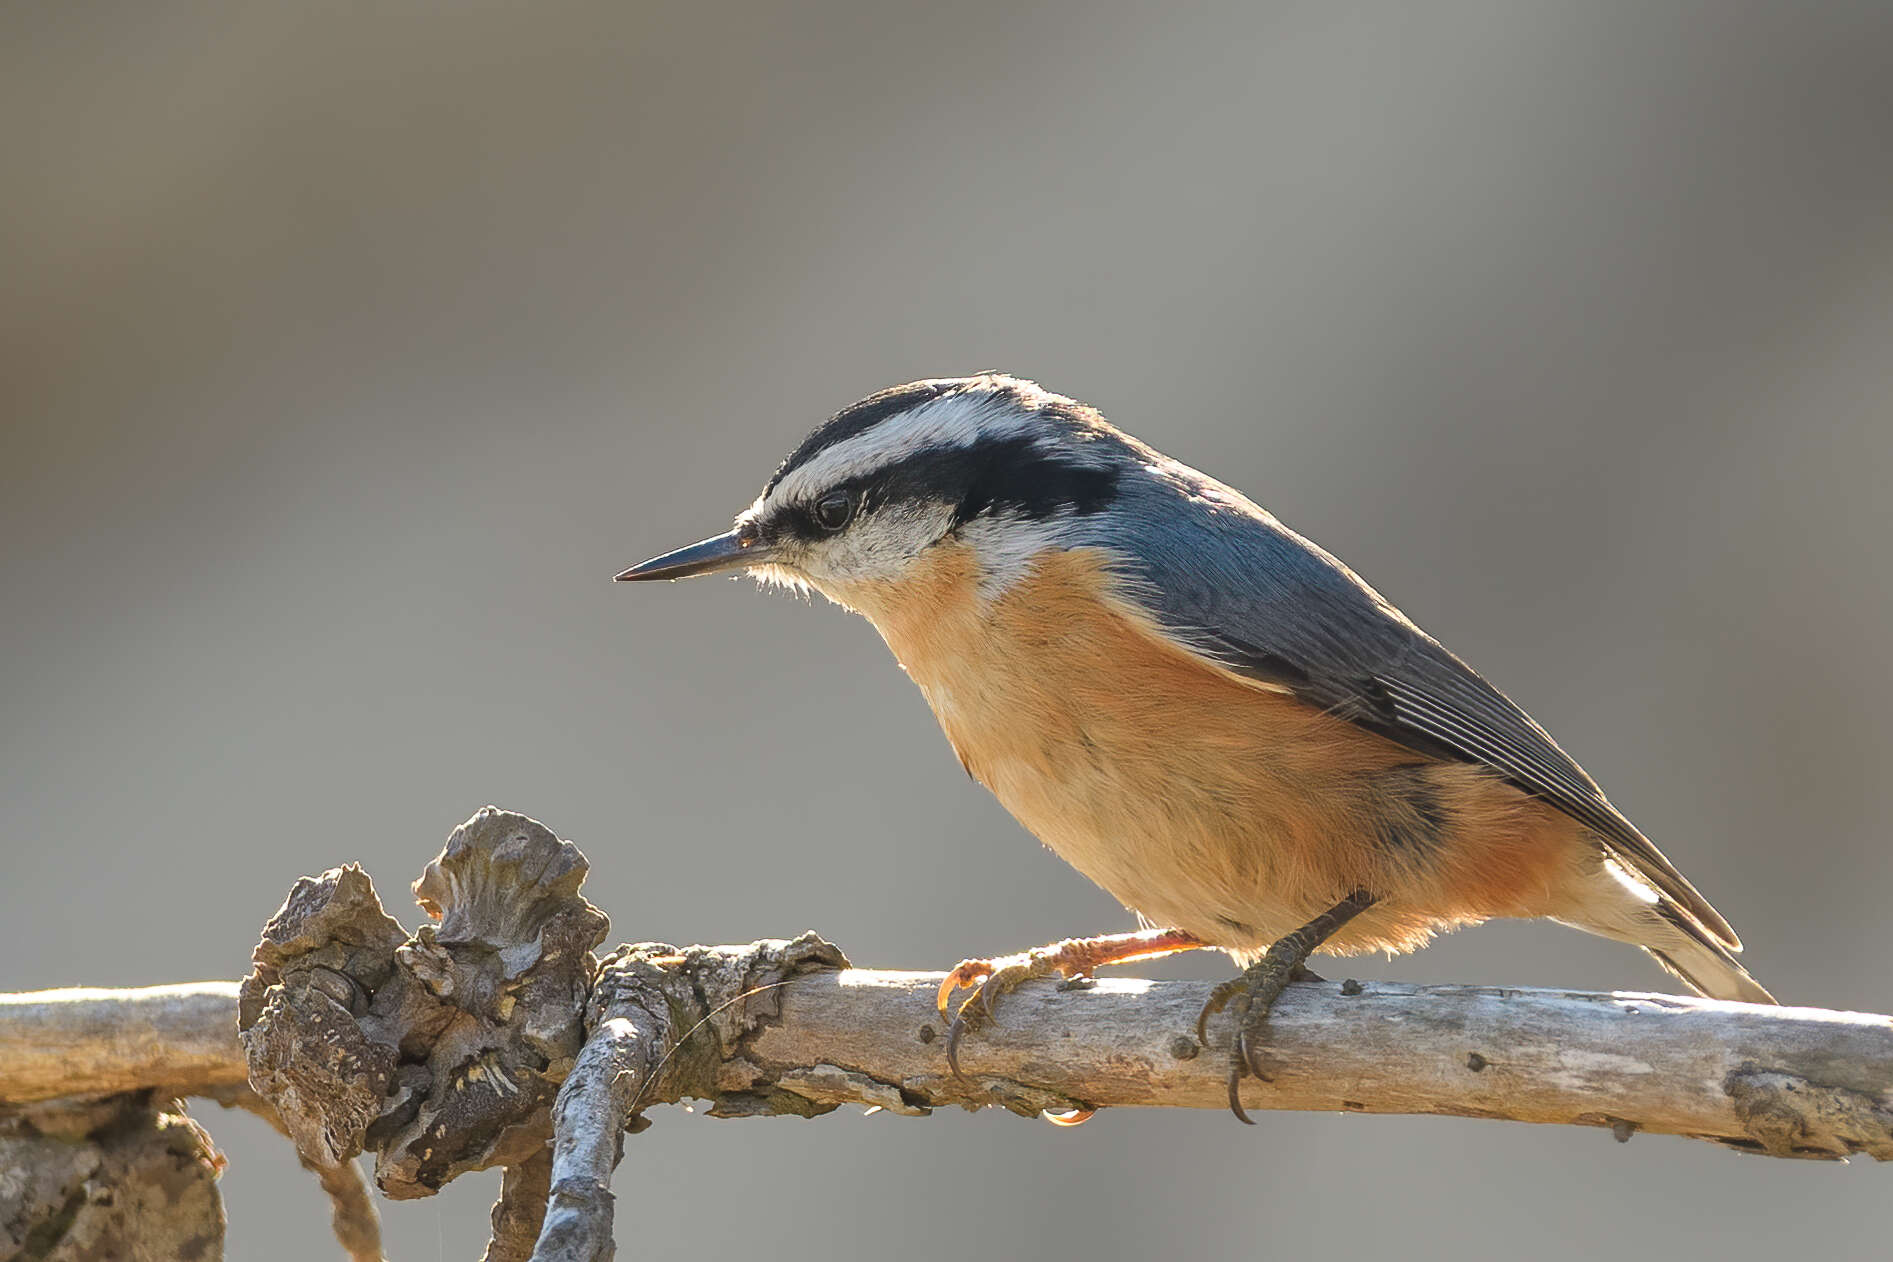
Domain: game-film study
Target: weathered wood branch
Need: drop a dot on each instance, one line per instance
(496, 1038)
(66, 1053)
(56, 1043)
(1790, 1081)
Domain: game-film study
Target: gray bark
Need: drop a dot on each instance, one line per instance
(1789, 1081)
(496, 1038)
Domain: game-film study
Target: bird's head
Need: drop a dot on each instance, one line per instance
(993, 463)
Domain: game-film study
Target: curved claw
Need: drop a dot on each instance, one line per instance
(954, 1032)
(1251, 1055)
(1218, 1000)
(966, 975)
(1235, 1085)
(987, 984)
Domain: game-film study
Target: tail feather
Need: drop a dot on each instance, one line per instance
(1613, 903)
(1708, 968)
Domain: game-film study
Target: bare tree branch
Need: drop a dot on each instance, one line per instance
(463, 1045)
(56, 1043)
(1787, 1081)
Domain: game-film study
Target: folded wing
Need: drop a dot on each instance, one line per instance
(1227, 580)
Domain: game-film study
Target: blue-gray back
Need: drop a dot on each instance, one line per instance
(1231, 582)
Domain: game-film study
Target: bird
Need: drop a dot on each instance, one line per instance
(1199, 709)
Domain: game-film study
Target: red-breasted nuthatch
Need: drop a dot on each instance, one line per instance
(1200, 710)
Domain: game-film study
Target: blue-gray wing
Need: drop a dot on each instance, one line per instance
(1225, 578)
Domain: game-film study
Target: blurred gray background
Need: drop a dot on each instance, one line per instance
(347, 352)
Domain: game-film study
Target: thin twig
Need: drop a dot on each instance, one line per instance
(352, 1214)
(521, 1209)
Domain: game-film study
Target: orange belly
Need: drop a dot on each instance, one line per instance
(1199, 799)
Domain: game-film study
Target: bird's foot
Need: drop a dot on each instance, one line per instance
(1073, 959)
(988, 980)
(1251, 997)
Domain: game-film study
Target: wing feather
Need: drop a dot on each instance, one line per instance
(1228, 581)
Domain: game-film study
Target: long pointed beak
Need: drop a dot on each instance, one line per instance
(732, 551)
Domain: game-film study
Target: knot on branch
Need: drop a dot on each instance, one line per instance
(1789, 1116)
(714, 1000)
(442, 1050)
(697, 1023)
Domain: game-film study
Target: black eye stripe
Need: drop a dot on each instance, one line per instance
(1016, 475)
(1006, 475)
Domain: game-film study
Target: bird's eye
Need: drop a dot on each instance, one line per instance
(833, 510)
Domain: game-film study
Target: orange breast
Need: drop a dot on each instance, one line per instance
(1199, 799)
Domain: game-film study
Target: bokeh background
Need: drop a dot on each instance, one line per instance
(347, 351)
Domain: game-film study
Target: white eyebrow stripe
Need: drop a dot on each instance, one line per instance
(962, 419)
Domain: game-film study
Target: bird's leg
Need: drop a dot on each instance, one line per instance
(1072, 958)
(1254, 993)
